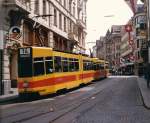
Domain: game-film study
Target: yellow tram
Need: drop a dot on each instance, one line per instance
(43, 71)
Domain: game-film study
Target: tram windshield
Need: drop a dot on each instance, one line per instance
(25, 62)
(25, 67)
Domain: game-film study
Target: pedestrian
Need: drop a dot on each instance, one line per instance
(148, 74)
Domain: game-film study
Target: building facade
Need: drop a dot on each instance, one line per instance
(100, 48)
(141, 44)
(59, 24)
(116, 40)
(127, 50)
(112, 47)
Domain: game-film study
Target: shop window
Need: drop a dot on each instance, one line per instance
(38, 66)
(49, 65)
(57, 64)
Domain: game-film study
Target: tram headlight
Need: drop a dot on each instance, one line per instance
(25, 84)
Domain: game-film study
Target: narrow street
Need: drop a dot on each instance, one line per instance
(112, 100)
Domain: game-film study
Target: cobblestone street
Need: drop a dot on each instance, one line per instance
(120, 103)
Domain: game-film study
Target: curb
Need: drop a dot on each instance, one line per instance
(8, 97)
(145, 92)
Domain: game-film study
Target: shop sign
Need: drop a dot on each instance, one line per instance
(128, 28)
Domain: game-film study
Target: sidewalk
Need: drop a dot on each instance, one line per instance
(12, 95)
(145, 92)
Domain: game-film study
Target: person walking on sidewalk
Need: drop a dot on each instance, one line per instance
(148, 74)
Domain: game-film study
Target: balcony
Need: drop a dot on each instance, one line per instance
(72, 36)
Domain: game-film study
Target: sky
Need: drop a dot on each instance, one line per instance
(98, 23)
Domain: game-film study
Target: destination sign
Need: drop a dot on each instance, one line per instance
(25, 52)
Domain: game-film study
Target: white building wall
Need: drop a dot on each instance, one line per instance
(4, 27)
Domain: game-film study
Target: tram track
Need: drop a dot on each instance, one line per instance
(62, 110)
(72, 108)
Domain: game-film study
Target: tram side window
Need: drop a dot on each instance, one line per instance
(95, 68)
(98, 66)
(71, 65)
(65, 64)
(92, 66)
(106, 66)
(38, 66)
(84, 65)
(87, 65)
(57, 64)
(102, 66)
(76, 63)
(49, 65)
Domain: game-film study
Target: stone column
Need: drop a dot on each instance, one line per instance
(4, 27)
